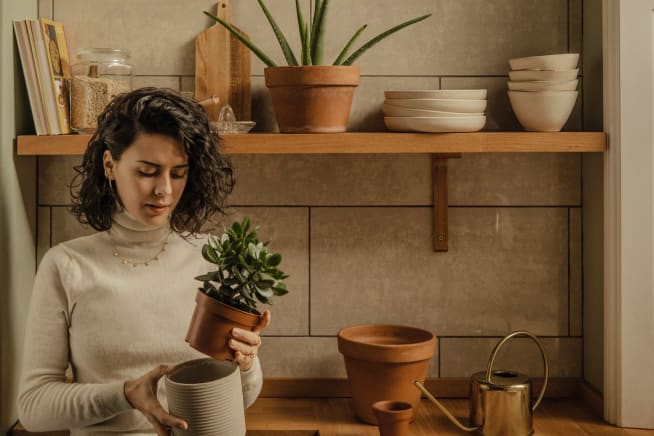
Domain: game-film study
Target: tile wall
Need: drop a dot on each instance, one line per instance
(356, 230)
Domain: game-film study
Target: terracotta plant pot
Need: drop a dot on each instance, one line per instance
(393, 417)
(212, 323)
(312, 99)
(382, 361)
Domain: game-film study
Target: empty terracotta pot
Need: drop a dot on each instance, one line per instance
(212, 323)
(393, 417)
(312, 99)
(381, 363)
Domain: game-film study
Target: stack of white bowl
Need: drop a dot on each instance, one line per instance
(442, 110)
(542, 90)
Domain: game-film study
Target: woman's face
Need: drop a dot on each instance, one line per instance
(150, 177)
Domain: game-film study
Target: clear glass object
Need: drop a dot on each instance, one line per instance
(98, 75)
(227, 122)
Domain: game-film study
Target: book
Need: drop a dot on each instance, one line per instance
(43, 74)
(30, 74)
(59, 67)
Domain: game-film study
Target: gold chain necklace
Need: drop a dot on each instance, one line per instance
(135, 263)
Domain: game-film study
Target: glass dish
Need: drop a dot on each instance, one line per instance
(232, 127)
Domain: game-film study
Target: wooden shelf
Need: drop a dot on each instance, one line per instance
(442, 146)
(360, 143)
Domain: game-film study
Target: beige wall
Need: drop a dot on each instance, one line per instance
(593, 195)
(17, 211)
(355, 230)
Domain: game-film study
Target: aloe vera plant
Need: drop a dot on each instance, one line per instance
(312, 37)
(246, 272)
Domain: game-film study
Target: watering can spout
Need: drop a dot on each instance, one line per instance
(443, 409)
(500, 401)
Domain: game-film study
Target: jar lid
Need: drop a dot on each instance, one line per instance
(103, 54)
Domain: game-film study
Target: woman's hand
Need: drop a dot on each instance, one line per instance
(246, 343)
(142, 395)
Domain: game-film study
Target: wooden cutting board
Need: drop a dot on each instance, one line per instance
(222, 67)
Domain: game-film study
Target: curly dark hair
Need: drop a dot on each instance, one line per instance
(161, 111)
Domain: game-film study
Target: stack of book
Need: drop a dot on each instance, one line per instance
(46, 67)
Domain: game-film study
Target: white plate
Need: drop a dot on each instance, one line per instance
(435, 124)
(397, 111)
(468, 94)
(563, 61)
(439, 104)
(534, 86)
(558, 76)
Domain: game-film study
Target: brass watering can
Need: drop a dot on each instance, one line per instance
(500, 401)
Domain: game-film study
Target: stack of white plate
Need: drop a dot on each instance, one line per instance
(442, 110)
(542, 90)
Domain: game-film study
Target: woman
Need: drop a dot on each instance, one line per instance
(112, 308)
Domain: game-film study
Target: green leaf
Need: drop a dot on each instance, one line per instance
(265, 280)
(274, 260)
(318, 32)
(302, 27)
(238, 230)
(280, 288)
(210, 255)
(283, 43)
(256, 50)
(213, 242)
(347, 47)
(381, 36)
(265, 292)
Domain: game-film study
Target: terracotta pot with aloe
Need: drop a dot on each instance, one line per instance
(309, 96)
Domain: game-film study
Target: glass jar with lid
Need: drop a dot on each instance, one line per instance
(98, 75)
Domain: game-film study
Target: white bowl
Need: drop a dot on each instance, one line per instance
(549, 75)
(468, 94)
(545, 111)
(563, 61)
(397, 111)
(435, 124)
(439, 104)
(543, 86)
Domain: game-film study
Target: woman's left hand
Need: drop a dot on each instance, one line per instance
(246, 343)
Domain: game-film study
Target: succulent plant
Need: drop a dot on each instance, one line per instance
(312, 37)
(247, 273)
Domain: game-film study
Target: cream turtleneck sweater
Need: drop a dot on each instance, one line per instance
(110, 322)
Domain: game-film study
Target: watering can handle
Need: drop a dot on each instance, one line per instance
(443, 409)
(504, 340)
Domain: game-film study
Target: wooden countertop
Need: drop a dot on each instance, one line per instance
(333, 417)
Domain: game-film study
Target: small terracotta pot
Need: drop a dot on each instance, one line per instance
(393, 417)
(212, 323)
(382, 361)
(312, 99)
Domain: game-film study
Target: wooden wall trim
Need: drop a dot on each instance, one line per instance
(440, 387)
(592, 399)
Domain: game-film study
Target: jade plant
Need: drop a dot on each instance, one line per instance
(246, 273)
(312, 37)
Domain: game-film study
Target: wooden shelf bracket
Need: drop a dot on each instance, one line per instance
(439, 176)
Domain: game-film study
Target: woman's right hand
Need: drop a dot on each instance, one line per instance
(142, 395)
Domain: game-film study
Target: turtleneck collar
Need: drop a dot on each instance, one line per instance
(127, 230)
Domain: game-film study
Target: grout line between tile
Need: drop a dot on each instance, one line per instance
(569, 274)
(309, 219)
